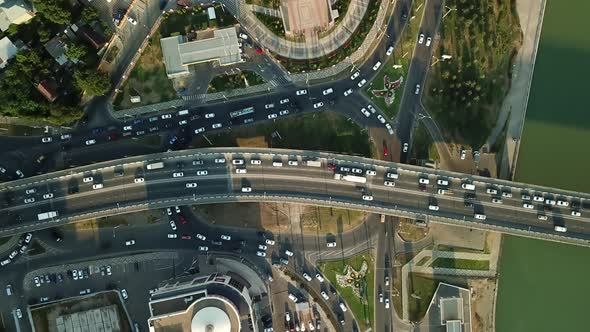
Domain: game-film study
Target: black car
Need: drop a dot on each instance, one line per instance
(468, 204)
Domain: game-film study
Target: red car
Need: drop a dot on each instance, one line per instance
(185, 237)
(113, 137)
(331, 167)
(385, 151)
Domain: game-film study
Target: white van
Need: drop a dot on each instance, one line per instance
(183, 112)
(560, 229)
(468, 186)
(480, 216)
(277, 163)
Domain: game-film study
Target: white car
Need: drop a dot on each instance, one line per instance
(46, 140)
(30, 191)
(325, 295)
(528, 206)
(306, 276)
(421, 38)
(166, 116)
(88, 179)
(433, 207)
(389, 51)
(492, 191)
(219, 160)
(576, 213)
(202, 172)
(28, 237)
(91, 142)
(357, 170)
(203, 248)
(66, 136)
(237, 161)
(255, 161)
(387, 303)
(367, 198)
(284, 101)
(342, 306)
(262, 247)
(538, 198)
(405, 148)
(246, 189)
(216, 125)
(169, 211)
(319, 277)
(97, 186)
(199, 130)
(127, 128)
(241, 171)
(182, 122)
(318, 105)
(260, 254)
(496, 200)
(371, 108)
(380, 297)
(562, 203)
(269, 106)
(463, 154)
(270, 242)
(377, 65)
(191, 185)
(201, 237)
(428, 41)
(327, 91)
(129, 242)
(370, 172)
(177, 174)
(525, 197)
(331, 244)
(225, 237)
(131, 20)
(541, 217)
(243, 36)
(209, 115)
(292, 163)
(506, 194)
(177, 209)
(293, 297)
(19, 313)
(272, 116)
(391, 175)
(172, 236)
(389, 183)
(301, 92)
(172, 225)
(283, 112)
(389, 128)
(417, 91)
(289, 253)
(365, 112)
(347, 92)
(139, 180)
(355, 75)
(442, 182)
(423, 181)
(480, 216)
(361, 83)
(381, 118)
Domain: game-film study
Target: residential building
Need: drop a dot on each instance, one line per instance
(14, 12)
(48, 88)
(57, 48)
(7, 51)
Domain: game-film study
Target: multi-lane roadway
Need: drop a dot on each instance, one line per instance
(127, 185)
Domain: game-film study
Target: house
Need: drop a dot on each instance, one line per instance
(7, 51)
(14, 12)
(48, 89)
(57, 48)
(95, 39)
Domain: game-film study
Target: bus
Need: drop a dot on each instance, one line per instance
(242, 112)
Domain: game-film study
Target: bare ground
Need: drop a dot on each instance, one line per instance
(410, 232)
(482, 304)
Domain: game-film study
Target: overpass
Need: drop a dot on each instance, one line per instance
(294, 181)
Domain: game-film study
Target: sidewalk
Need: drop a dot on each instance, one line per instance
(530, 13)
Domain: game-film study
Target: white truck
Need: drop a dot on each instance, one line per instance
(47, 215)
(157, 165)
(350, 178)
(314, 163)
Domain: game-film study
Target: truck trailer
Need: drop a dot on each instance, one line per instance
(350, 178)
(47, 215)
(157, 165)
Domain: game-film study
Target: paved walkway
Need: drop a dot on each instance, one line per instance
(264, 10)
(412, 267)
(530, 13)
(300, 50)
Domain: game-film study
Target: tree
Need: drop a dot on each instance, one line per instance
(93, 82)
(89, 14)
(76, 51)
(53, 10)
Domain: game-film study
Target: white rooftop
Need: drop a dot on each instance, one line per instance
(211, 319)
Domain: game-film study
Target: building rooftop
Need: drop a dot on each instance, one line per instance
(14, 12)
(179, 53)
(57, 49)
(7, 51)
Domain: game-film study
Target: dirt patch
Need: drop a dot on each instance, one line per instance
(410, 232)
(280, 217)
(482, 304)
(252, 142)
(460, 237)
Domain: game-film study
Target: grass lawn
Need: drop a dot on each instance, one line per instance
(423, 289)
(400, 58)
(274, 24)
(464, 264)
(423, 147)
(465, 93)
(234, 81)
(5, 239)
(362, 308)
(325, 131)
(330, 220)
(147, 79)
